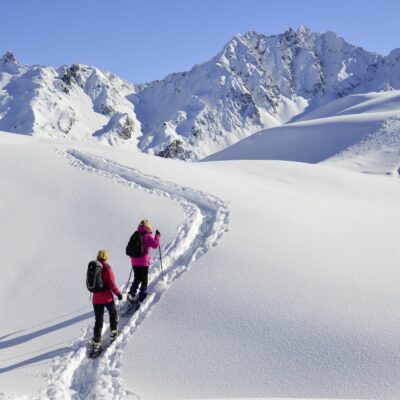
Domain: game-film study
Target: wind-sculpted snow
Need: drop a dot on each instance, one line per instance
(345, 127)
(386, 136)
(206, 219)
(378, 152)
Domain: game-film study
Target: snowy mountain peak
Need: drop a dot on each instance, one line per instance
(77, 101)
(303, 30)
(394, 55)
(255, 82)
(9, 64)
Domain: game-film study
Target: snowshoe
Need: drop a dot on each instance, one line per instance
(94, 349)
(131, 298)
(113, 335)
(131, 308)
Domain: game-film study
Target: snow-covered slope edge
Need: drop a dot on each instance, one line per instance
(206, 220)
(340, 130)
(377, 153)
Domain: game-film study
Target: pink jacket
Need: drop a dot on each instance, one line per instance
(108, 278)
(148, 242)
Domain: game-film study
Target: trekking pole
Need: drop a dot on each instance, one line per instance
(162, 271)
(127, 283)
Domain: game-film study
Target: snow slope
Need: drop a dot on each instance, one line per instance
(336, 131)
(299, 297)
(54, 220)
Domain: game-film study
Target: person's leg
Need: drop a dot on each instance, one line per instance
(135, 283)
(112, 311)
(98, 325)
(144, 278)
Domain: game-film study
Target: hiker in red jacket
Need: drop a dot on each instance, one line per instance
(141, 264)
(105, 299)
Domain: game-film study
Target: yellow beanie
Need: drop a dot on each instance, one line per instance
(103, 255)
(146, 223)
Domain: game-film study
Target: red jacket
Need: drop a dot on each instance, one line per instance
(148, 242)
(108, 279)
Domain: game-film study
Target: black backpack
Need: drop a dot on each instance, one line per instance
(135, 247)
(94, 282)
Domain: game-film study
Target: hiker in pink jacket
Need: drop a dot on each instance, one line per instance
(141, 264)
(105, 299)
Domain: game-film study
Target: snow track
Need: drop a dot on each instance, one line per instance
(206, 219)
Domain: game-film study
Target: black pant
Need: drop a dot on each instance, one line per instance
(141, 278)
(99, 314)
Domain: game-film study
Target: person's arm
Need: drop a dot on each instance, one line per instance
(111, 282)
(153, 242)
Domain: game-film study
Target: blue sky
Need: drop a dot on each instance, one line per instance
(148, 39)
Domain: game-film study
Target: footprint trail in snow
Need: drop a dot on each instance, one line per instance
(206, 219)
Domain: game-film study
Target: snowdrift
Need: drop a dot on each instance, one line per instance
(329, 131)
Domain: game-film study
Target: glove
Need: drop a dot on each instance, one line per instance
(119, 297)
(158, 232)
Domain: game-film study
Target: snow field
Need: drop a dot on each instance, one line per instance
(306, 307)
(298, 300)
(296, 314)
